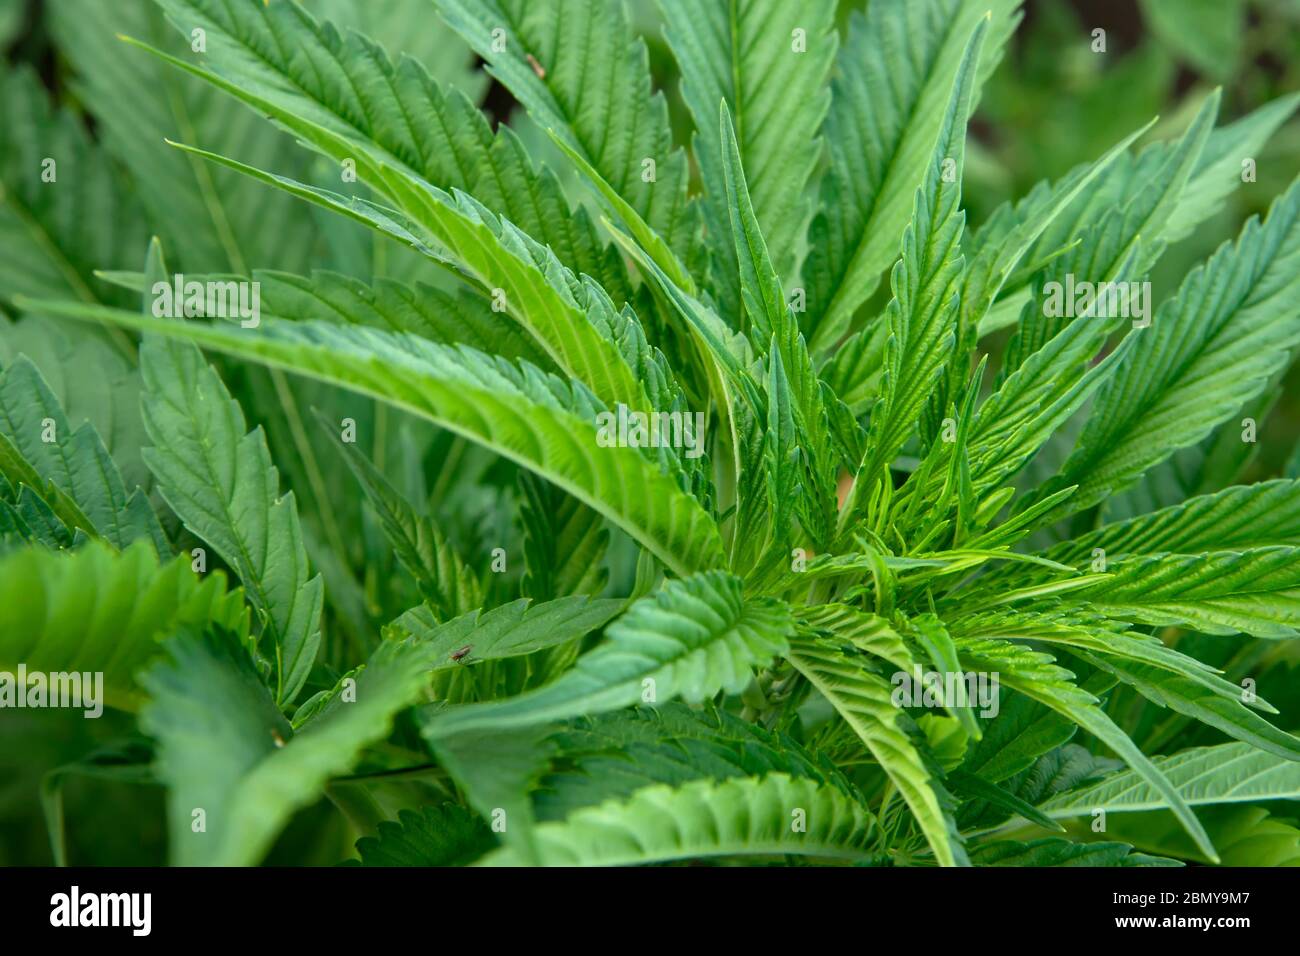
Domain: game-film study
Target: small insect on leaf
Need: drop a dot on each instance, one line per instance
(537, 67)
(460, 655)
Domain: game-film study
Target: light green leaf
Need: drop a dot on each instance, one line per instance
(210, 219)
(794, 394)
(1235, 519)
(691, 639)
(760, 285)
(1245, 836)
(930, 633)
(864, 700)
(59, 222)
(867, 632)
(98, 610)
(573, 319)
(770, 62)
(892, 79)
(1213, 346)
(224, 747)
(461, 317)
(528, 418)
(655, 246)
(922, 316)
(449, 587)
(996, 253)
(1218, 592)
(343, 95)
(87, 481)
(1219, 171)
(93, 382)
(564, 543)
(512, 630)
(1161, 674)
(497, 768)
(1163, 192)
(218, 478)
(402, 28)
(579, 70)
(1048, 369)
(744, 817)
(1223, 773)
(1036, 675)
(1088, 632)
(1192, 699)
(780, 456)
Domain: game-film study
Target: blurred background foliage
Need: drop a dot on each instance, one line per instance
(1052, 104)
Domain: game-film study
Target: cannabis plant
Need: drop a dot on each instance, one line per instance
(559, 493)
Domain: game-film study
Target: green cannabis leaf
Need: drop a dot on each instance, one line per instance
(697, 458)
